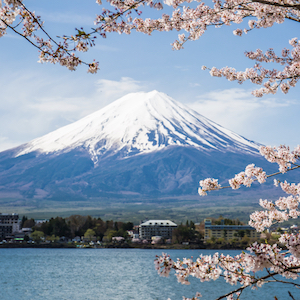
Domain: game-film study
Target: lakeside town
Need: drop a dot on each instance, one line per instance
(88, 232)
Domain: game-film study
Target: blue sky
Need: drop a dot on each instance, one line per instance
(39, 98)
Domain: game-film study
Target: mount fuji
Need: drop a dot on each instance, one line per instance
(142, 145)
(137, 124)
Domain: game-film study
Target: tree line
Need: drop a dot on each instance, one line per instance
(91, 228)
(77, 225)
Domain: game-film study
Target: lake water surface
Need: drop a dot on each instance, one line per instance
(112, 274)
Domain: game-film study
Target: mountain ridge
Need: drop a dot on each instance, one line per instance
(140, 123)
(142, 146)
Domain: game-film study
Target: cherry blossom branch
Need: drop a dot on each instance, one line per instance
(284, 79)
(62, 54)
(20, 34)
(37, 22)
(211, 184)
(285, 282)
(285, 5)
(243, 268)
(285, 207)
(257, 280)
(281, 155)
(194, 21)
(234, 269)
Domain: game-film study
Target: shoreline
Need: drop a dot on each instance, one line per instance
(119, 246)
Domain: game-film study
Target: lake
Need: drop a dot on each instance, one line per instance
(113, 274)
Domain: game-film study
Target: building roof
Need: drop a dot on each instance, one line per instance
(158, 222)
(229, 227)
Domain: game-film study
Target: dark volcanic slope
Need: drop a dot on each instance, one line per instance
(144, 144)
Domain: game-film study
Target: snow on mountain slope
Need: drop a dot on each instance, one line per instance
(140, 123)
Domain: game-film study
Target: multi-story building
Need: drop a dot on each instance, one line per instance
(228, 232)
(163, 228)
(9, 223)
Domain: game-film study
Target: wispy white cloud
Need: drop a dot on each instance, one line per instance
(194, 84)
(238, 110)
(110, 90)
(32, 105)
(226, 106)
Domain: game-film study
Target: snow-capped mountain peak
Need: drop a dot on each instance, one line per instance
(140, 123)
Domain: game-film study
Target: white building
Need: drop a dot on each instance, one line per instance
(9, 223)
(163, 228)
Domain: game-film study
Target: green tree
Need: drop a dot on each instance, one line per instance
(37, 235)
(89, 223)
(47, 227)
(183, 233)
(100, 228)
(109, 224)
(60, 227)
(57, 227)
(109, 234)
(89, 234)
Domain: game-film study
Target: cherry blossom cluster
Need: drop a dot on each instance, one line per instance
(275, 212)
(242, 269)
(7, 16)
(261, 220)
(14, 14)
(163, 264)
(284, 79)
(275, 260)
(292, 242)
(247, 177)
(285, 207)
(282, 210)
(251, 174)
(191, 18)
(281, 155)
(293, 189)
(194, 21)
(209, 184)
